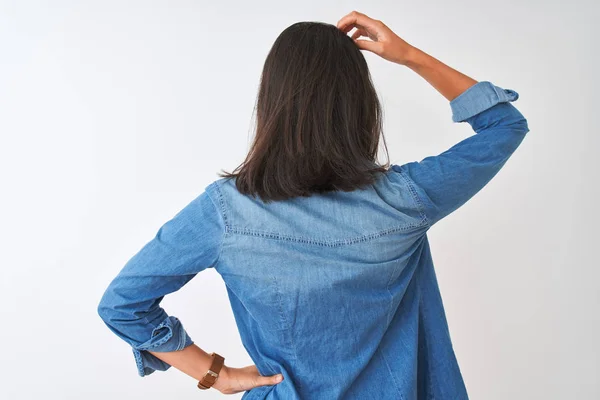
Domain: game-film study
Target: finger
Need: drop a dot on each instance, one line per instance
(359, 33)
(367, 45)
(356, 19)
(269, 380)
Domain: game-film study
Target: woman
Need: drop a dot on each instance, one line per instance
(323, 251)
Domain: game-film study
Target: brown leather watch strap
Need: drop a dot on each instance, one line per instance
(213, 372)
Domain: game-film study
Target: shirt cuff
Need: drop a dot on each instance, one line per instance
(169, 335)
(478, 98)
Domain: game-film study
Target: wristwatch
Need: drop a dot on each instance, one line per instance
(213, 372)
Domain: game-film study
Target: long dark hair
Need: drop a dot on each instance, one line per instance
(319, 119)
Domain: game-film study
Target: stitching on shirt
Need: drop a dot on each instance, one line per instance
(279, 302)
(287, 328)
(182, 337)
(229, 228)
(416, 197)
(215, 185)
(323, 242)
(397, 274)
(138, 361)
(390, 371)
(387, 287)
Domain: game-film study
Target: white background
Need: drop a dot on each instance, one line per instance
(115, 114)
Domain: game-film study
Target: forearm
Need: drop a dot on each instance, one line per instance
(191, 360)
(446, 80)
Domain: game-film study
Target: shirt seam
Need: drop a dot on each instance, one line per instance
(390, 371)
(329, 243)
(219, 207)
(287, 327)
(416, 198)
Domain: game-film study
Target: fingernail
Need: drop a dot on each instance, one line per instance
(279, 378)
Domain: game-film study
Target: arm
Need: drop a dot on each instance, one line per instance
(185, 245)
(449, 82)
(446, 181)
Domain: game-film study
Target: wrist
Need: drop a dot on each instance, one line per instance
(212, 375)
(221, 382)
(415, 58)
(408, 56)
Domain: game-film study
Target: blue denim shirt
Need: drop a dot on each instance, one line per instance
(336, 291)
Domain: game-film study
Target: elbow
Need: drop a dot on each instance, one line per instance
(109, 313)
(520, 125)
(515, 120)
(524, 126)
(105, 308)
(503, 116)
(102, 311)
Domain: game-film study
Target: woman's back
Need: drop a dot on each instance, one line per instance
(333, 290)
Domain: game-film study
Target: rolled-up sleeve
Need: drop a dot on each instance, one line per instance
(188, 243)
(446, 181)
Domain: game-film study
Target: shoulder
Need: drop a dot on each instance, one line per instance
(398, 177)
(217, 192)
(398, 189)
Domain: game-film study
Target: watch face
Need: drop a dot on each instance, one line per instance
(213, 373)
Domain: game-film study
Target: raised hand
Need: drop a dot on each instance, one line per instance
(384, 42)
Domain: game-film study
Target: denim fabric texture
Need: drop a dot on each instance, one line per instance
(336, 291)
